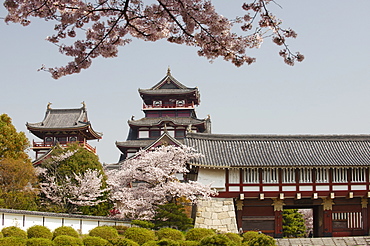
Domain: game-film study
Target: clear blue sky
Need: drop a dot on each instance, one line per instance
(326, 94)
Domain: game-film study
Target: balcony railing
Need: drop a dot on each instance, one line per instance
(41, 145)
(169, 105)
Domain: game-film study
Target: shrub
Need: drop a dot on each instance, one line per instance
(172, 215)
(65, 240)
(65, 231)
(13, 231)
(235, 238)
(249, 235)
(196, 234)
(170, 233)
(123, 242)
(39, 242)
(105, 232)
(143, 224)
(139, 235)
(168, 242)
(218, 239)
(261, 240)
(1, 235)
(38, 231)
(188, 243)
(12, 241)
(150, 243)
(121, 229)
(95, 241)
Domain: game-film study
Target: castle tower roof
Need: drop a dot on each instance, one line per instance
(67, 120)
(169, 86)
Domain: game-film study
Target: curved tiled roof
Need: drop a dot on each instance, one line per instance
(143, 143)
(167, 91)
(170, 86)
(185, 121)
(221, 150)
(134, 143)
(63, 119)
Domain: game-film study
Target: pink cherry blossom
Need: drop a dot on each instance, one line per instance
(85, 30)
(151, 179)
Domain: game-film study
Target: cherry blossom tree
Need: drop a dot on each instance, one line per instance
(85, 29)
(72, 180)
(308, 219)
(150, 179)
(83, 189)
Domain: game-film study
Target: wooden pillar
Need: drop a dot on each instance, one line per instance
(365, 219)
(328, 218)
(278, 224)
(239, 214)
(278, 211)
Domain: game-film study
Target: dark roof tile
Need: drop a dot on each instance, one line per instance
(221, 150)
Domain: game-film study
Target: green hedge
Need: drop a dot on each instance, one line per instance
(39, 242)
(38, 231)
(197, 234)
(236, 238)
(105, 232)
(188, 243)
(95, 241)
(169, 233)
(219, 240)
(66, 231)
(139, 235)
(12, 241)
(65, 240)
(260, 240)
(123, 242)
(168, 242)
(13, 231)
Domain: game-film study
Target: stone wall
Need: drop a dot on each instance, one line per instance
(216, 213)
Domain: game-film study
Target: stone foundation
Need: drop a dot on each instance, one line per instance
(218, 214)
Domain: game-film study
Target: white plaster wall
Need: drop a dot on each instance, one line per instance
(33, 220)
(52, 222)
(215, 177)
(83, 225)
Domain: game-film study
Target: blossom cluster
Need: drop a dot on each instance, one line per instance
(88, 29)
(150, 179)
(84, 189)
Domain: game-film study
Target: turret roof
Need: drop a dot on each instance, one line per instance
(64, 119)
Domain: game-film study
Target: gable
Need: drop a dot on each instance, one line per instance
(168, 84)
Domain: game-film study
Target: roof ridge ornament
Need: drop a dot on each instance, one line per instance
(49, 105)
(83, 104)
(169, 71)
(188, 129)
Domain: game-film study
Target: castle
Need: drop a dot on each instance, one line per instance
(257, 176)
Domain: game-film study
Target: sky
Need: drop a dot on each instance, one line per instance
(328, 93)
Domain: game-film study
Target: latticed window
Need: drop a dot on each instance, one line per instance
(352, 220)
(270, 175)
(305, 175)
(251, 176)
(322, 175)
(340, 175)
(234, 176)
(358, 174)
(288, 175)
